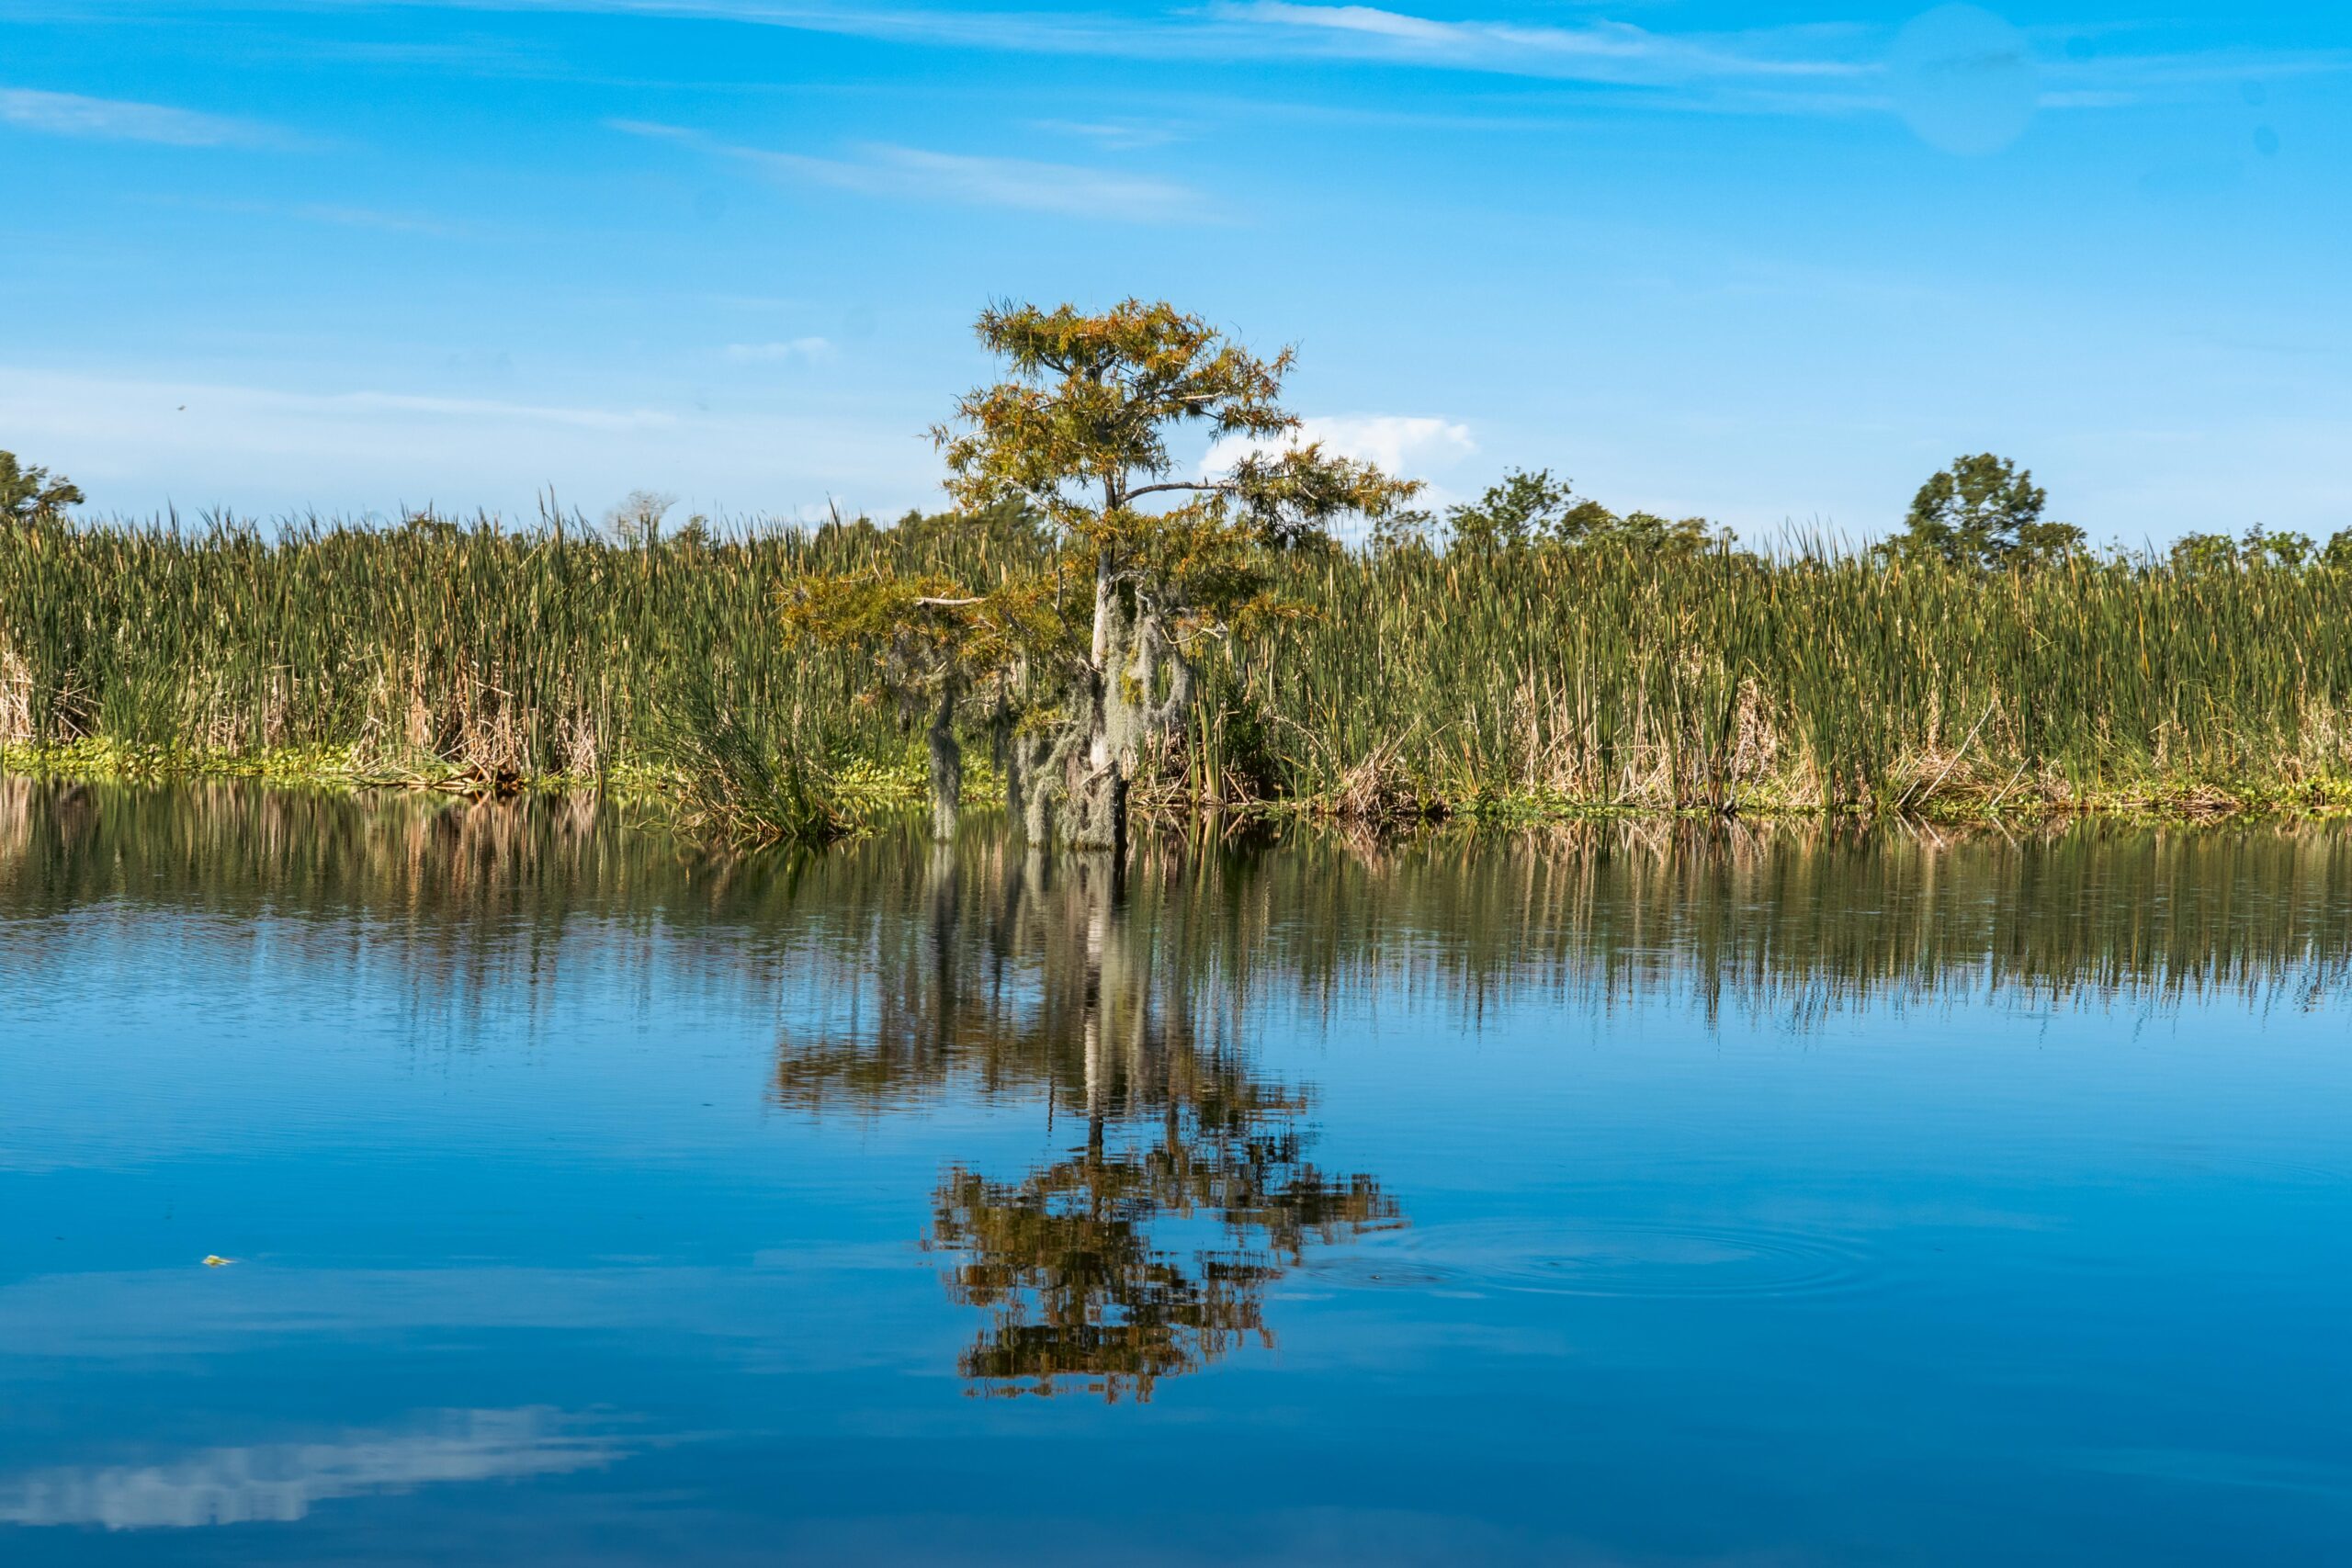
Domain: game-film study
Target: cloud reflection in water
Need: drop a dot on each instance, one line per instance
(279, 1482)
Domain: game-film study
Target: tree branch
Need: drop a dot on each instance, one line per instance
(1222, 486)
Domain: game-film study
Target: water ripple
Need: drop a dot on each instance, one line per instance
(1624, 1259)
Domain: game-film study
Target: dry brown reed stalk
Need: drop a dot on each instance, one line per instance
(16, 700)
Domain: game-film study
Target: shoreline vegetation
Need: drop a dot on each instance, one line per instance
(1107, 633)
(1409, 686)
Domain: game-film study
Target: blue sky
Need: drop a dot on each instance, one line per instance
(1768, 263)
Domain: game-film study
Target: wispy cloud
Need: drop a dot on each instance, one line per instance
(117, 120)
(1599, 51)
(1114, 136)
(808, 350)
(916, 174)
(1802, 69)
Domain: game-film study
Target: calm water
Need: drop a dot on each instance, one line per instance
(1611, 1197)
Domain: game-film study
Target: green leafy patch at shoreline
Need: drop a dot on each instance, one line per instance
(869, 792)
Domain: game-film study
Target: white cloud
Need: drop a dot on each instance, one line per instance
(113, 120)
(811, 350)
(918, 174)
(1410, 445)
(279, 1482)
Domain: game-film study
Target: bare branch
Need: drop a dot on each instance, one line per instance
(1221, 487)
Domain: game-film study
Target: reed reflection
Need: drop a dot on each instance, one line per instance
(1146, 1247)
(1792, 923)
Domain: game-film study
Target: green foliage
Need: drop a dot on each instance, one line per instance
(1523, 509)
(726, 781)
(1401, 528)
(2201, 553)
(1080, 433)
(927, 634)
(2260, 550)
(2284, 551)
(1985, 512)
(1534, 509)
(29, 496)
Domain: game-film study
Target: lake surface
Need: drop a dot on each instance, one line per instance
(1614, 1196)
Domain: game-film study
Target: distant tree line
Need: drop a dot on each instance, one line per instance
(1983, 512)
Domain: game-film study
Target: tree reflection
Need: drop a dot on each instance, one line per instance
(1147, 1249)
(1070, 1266)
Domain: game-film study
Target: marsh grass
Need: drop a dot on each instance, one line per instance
(1527, 682)
(1556, 682)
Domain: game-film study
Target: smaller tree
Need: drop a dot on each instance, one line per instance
(1529, 510)
(2286, 550)
(2205, 552)
(939, 650)
(424, 523)
(1983, 512)
(30, 496)
(1522, 509)
(1404, 528)
(636, 519)
(1646, 532)
(2260, 549)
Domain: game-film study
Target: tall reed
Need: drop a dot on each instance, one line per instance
(1553, 680)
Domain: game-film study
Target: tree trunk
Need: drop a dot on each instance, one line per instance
(1074, 787)
(1094, 779)
(1039, 762)
(1094, 809)
(946, 766)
